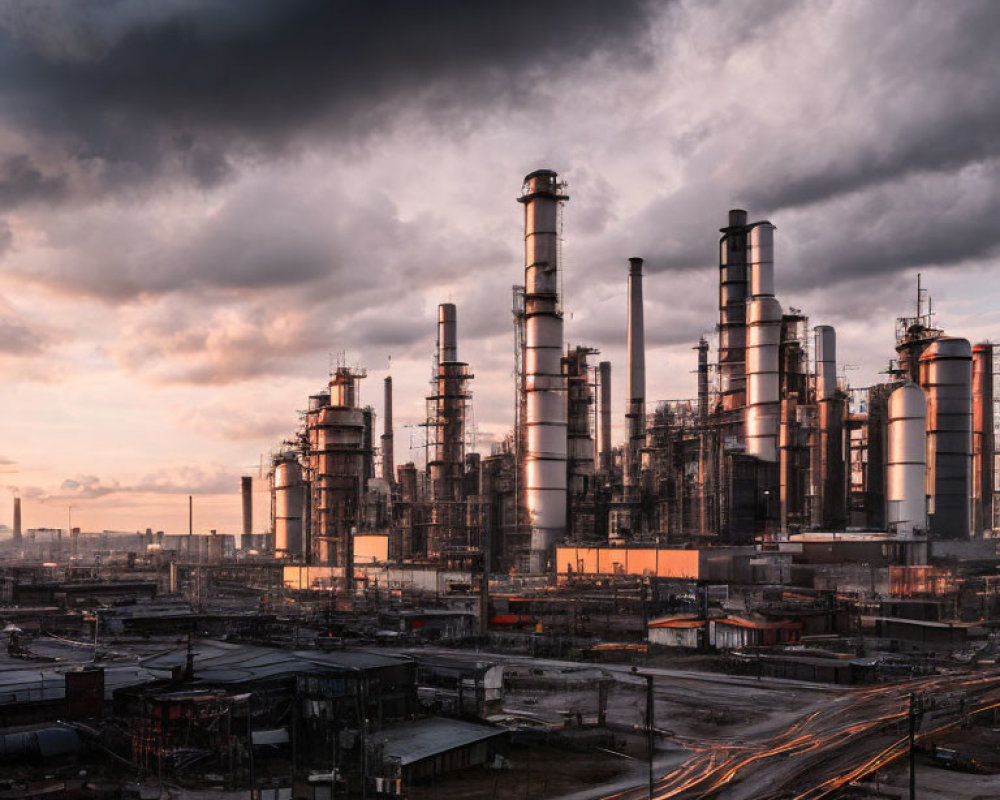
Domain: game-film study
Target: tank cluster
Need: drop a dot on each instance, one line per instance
(776, 441)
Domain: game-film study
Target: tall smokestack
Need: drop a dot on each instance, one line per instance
(982, 438)
(17, 519)
(635, 413)
(447, 333)
(763, 400)
(733, 310)
(604, 371)
(246, 489)
(544, 385)
(388, 469)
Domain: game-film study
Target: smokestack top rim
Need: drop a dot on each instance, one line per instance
(635, 265)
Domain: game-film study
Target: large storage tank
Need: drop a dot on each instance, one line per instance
(946, 377)
(907, 460)
(289, 499)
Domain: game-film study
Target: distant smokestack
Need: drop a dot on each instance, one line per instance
(17, 519)
(447, 333)
(388, 470)
(246, 489)
(702, 349)
(544, 385)
(604, 450)
(636, 375)
(982, 438)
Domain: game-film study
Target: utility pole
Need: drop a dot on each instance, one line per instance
(915, 710)
(649, 729)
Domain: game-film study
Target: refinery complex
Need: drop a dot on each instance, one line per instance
(783, 565)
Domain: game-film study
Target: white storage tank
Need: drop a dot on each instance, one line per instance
(907, 461)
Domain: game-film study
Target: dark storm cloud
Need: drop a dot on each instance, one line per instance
(22, 181)
(193, 83)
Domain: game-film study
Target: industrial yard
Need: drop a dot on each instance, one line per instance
(761, 593)
(536, 400)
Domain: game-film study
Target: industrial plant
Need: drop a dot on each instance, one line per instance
(783, 564)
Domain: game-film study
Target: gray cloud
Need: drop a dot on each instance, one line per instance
(193, 85)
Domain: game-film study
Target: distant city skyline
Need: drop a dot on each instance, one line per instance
(203, 204)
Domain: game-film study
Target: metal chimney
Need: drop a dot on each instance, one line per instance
(246, 490)
(604, 373)
(544, 385)
(17, 519)
(388, 469)
(447, 333)
(635, 413)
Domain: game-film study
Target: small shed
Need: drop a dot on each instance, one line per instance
(434, 746)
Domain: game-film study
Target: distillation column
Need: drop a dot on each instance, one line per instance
(763, 377)
(733, 311)
(829, 484)
(447, 535)
(544, 385)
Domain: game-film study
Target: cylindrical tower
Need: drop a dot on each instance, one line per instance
(982, 438)
(946, 377)
(17, 519)
(604, 437)
(446, 418)
(702, 349)
(832, 501)
(733, 311)
(447, 332)
(289, 500)
(246, 492)
(763, 406)
(388, 469)
(635, 412)
(544, 386)
(907, 460)
(337, 472)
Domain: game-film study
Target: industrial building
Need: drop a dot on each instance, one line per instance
(776, 443)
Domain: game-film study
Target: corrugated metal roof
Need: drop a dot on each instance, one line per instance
(411, 742)
(226, 662)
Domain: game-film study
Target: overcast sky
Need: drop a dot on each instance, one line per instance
(203, 203)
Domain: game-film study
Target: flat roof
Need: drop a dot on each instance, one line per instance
(412, 742)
